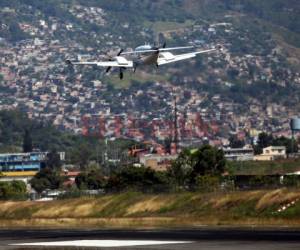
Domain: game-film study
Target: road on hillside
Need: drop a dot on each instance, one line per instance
(205, 238)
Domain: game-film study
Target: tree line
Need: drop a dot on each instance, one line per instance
(185, 173)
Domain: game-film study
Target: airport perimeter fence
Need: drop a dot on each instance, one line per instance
(202, 185)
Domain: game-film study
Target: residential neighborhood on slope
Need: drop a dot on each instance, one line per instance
(35, 80)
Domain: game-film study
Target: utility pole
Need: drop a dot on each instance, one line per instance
(175, 121)
(175, 125)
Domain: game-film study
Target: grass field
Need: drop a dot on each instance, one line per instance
(138, 210)
(264, 167)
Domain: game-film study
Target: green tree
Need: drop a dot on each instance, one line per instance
(208, 183)
(13, 190)
(19, 186)
(27, 141)
(190, 164)
(53, 160)
(5, 190)
(81, 155)
(234, 142)
(181, 168)
(46, 178)
(290, 144)
(16, 34)
(90, 180)
(137, 178)
(209, 161)
(264, 140)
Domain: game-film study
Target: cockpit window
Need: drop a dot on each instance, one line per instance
(143, 47)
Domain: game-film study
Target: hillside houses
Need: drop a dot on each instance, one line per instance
(36, 80)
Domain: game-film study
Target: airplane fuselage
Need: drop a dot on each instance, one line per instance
(151, 59)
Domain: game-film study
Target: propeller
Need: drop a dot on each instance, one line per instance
(111, 59)
(120, 52)
(108, 68)
(121, 74)
(135, 65)
(157, 48)
(162, 47)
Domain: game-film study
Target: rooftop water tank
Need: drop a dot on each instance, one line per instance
(295, 124)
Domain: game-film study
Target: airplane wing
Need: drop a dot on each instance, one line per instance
(118, 61)
(168, 57)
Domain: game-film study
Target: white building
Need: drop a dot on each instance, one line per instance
(272, 153)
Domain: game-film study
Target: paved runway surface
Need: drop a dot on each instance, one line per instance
(206, 238)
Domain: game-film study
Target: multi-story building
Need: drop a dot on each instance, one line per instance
(11, 162)
(22, 166)
(239, 154)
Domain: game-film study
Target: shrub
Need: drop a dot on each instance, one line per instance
(14, 190)
(208, 183)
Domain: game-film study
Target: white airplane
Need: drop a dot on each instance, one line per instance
(145, 55)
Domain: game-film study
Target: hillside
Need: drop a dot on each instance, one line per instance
(256, 76)
(278, 12)
(255, 208)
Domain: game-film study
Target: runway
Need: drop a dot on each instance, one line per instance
(205, 238)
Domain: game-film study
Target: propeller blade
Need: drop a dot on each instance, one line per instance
(120, 52)
(108, 69)
(164, 45)
(121, 75)
(135, 65)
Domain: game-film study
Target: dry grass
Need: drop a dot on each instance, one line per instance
(143, 211)
(153, 204)
(235, 198)
(277, 197)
